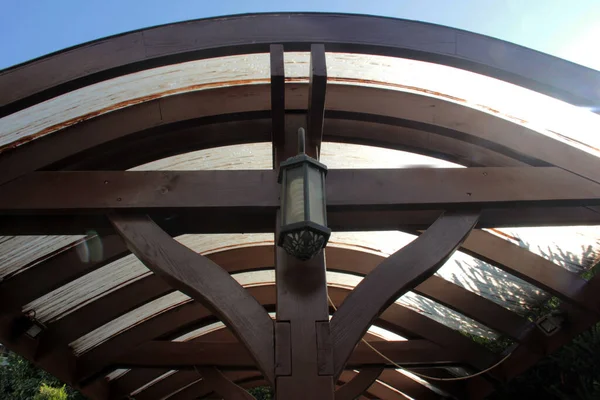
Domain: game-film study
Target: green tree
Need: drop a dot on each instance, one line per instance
(261, 393)
(51, 393)
(21, 380)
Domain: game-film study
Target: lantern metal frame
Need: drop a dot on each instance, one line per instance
(305, 162)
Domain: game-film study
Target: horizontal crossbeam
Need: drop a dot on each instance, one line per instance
(233, 355)
(246, 201)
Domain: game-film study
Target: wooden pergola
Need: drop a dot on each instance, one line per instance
(73, 124)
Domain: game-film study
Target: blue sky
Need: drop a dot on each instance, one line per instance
(567, 29)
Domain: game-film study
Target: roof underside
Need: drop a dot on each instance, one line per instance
(432, 97)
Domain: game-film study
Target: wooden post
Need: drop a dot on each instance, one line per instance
(303, 351)
(303, 356)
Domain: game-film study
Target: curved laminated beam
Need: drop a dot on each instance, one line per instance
(182, 319)
(359, 384)
(222, 386)
(395, 276)
(128, 384)
(391, 107)
(259, 257)
(106, 58)
(78, 323)
(204, 281)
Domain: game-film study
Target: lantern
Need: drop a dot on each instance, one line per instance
(303, 232)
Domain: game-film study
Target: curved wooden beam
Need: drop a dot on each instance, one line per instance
(107, 58)
(359, 384)
(221, 385)
(395, 276)
(397, 319)
(410, 111)
(204, 281)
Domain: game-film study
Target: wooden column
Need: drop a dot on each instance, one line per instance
(303, 353)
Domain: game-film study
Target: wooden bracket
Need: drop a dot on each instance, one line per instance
(204, 281)
(395, 276)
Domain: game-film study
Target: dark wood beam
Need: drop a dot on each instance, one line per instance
(222, 386)
(359, 384)
(395, 276)
(317, 89)
(96, 61)
(479, 128)
(71, 193)
(204, 281)
(234, 356)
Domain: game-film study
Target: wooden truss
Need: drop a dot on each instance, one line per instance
(74, 180)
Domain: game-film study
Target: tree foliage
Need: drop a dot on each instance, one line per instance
(261, 393)
(51, 393)
(571, 373)
(21, 380)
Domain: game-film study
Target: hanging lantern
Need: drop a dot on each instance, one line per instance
(303, 232)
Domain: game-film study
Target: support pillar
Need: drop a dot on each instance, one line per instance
(304, 356)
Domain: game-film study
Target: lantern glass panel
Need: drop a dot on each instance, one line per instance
(294, 196)
(316, 196)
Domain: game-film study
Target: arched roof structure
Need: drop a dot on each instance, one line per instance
(416, 119)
